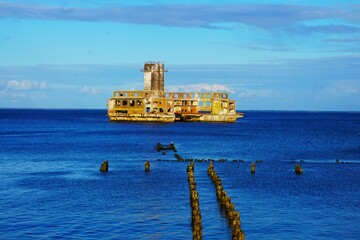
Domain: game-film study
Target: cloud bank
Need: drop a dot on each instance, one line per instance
(329, 83)
(190, 16)
(89, 90)
(15, 91)
(25, 85)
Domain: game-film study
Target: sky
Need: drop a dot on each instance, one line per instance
(269, 55)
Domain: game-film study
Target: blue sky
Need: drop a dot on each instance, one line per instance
(270, 55)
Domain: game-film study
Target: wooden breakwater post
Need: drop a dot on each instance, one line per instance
(104, 166)
(196, 222)
(252, 168)
(147, 166)
(226, 204)
(298, 169)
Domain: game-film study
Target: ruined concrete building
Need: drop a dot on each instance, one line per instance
(155, 105)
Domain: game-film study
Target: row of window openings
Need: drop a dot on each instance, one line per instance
(185, 103)
(157, 110)
(126, 94)
(192, 95)
(200, 103)
(139, 103)
(131, 103)
(176, 95)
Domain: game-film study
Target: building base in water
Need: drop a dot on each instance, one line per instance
(153, 104)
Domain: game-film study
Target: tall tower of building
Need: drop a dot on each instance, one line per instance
(154, 77)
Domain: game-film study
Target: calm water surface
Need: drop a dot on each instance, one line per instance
(51, 186)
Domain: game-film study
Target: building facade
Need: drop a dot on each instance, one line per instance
(155, 105)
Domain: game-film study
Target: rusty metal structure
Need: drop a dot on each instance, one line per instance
(153, 104)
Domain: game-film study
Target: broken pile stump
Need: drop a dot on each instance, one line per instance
(104, 166)
(147, 166)
(252, 167)
(298, 169)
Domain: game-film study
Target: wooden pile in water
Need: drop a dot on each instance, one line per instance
(194, 201)
(225, 203)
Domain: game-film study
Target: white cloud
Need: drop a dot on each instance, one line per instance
(247, 93)
(198, 88)
(2, 84)
(89, 90)
(17, 85)
(42, 86)
(344, 87)
(349, 89)
(25, 85)
(13, 90)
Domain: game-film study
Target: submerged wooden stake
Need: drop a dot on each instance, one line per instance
(104, 166)
(298, 169)
(147, 166)
(252, 166)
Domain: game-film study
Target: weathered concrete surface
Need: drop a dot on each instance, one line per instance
(142, 118)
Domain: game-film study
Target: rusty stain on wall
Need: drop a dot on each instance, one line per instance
(155, 105)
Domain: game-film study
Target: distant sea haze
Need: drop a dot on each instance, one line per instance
(51, 186)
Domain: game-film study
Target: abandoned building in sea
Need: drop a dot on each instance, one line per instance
(153, 104)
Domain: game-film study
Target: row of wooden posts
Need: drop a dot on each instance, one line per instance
(105, 166)
(225, 203)
(196, 222)
(164, 147)
(222, 197)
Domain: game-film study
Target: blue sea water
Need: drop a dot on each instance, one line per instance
(51, 186)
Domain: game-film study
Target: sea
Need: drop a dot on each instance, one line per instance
(51, 186)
